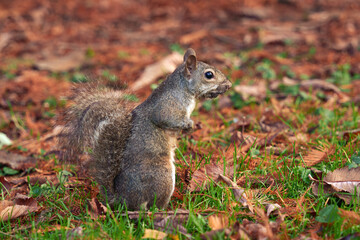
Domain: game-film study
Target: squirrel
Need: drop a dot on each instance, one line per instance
(132, 150)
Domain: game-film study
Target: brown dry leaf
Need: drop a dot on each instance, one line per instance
(299, 138)
(254, 230)
(21, 199)
(158, 69)
(194, 36)
(239, 232)
(263, 230)
(201, 177)
(16, 211)
(4, 204)
(172, 223)
(320, 84)
(63, 64)
(345, 179)
(5, 39)
(260, 142)
(217, 222)
(239, 123)
(4, 182)
(351, 218)
(315, 156)
(258, 90)
(270, 123)
(96, 208)
(154, 234)
(349, 133)
(16, 161)
(279, 36)
(271, 208)
(258, 181)
(42, 179)
(343, 182)
(239, 193)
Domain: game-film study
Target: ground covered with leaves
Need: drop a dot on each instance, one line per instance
(277, 157)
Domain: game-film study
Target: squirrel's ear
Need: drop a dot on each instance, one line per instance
(190, 61)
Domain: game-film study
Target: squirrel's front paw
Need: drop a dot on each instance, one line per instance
(189, 127)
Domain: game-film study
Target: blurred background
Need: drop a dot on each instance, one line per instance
(47, 45)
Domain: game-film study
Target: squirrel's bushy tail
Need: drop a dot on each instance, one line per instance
(98, 122)
(92, 109)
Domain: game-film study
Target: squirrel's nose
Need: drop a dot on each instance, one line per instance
(227, 84)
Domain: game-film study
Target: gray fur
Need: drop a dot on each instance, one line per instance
(132, 150)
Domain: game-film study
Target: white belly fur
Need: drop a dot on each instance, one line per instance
(190, 108)
(172, 143)
(172, 163)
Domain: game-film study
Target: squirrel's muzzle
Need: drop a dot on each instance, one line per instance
(222, 88)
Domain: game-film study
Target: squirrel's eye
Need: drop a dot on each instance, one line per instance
(209, 75)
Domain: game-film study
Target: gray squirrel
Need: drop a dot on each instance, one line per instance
(132, 150)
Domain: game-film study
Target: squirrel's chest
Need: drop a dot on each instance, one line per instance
(190, 108)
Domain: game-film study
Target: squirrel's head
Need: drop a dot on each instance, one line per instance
(203, 80)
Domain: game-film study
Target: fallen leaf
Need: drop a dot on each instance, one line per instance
(344, 179)
(343, 183)
(350, 218)
(42, 179)
(16, 211)
(63, 64)
(347, 134)
(271, 208)
(154, 234)
(239, 193)
(217, 222)
(201, 177)
(96, 208)
(259, 142)
(240, 232)
(193, 36)
(254, 230)
(269, 123)
(320, 84)
(5, 39)
(4, 204)
(158, 69)
(21, 199)
(17, 161)
(274, 36)
(257, 90)
(315, 156)
(4, 182)
(258, 13)
(171, 225)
